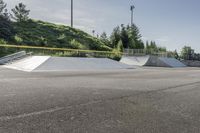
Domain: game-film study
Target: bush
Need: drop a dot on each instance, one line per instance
(18, 39)
(76, 45)
(2, 41)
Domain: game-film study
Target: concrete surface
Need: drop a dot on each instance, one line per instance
(145, 100)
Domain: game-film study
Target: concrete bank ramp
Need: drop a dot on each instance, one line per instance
(172, 62)
(153, 61)
(46, 63)
(28, 64)
(73, 63)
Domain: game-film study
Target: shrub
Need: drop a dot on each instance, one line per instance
(18, 39)
(76, 45)
(2, 41)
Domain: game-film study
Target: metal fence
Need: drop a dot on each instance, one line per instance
(142, 52)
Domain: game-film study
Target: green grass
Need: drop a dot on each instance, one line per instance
(39, 33)
(45, 34)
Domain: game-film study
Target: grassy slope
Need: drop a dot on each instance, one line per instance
(39, 33)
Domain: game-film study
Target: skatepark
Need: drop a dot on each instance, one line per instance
(29, 63)
(99, 66)
(142, 100)
(72, 94)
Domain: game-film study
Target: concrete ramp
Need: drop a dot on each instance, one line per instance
(28, 64)
(153, 61)
(47, 63)
(135, 60)
(74, 63)
(172, 62)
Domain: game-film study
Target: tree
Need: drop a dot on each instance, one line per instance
(104, 39)
(6, 29)
(176, 54)
(21, 14)
(124, 37)
(140, 45)
(147, 44)
(153, 45)
(186, 53)
(129, 35)
(134, 35)
(3, 11)
(2, 7)
(115, 37)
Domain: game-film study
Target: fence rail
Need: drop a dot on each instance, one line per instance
(60, 51)
(140, 52)
(55, 49)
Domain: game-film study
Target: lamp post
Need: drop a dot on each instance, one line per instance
(132, 8)
(72, 13)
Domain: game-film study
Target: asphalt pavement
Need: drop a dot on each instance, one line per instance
(142, 100)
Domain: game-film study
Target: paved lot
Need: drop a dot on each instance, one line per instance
(144, 100)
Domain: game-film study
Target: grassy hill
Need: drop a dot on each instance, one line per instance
(39, 33)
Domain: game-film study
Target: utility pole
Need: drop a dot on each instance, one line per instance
(72, 13)
(132, 8)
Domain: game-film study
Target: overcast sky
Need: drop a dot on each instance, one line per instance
(171, 23)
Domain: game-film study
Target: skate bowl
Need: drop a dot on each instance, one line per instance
(47, 63)
(153, 61)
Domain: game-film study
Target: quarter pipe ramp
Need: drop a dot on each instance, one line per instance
(153, 61)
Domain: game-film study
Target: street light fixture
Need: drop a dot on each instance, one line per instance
(72, 13)
(132, 8)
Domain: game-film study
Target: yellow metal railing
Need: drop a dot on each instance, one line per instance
(9, 49)
(57, 49)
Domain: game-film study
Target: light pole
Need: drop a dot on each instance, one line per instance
(72, 13)
(132, 8)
